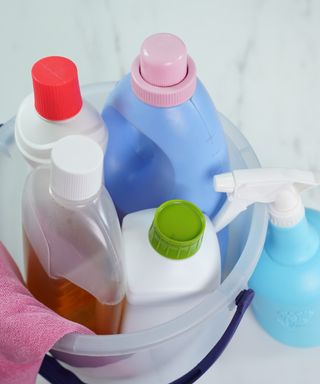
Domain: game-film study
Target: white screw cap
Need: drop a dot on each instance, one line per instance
(287, 209)
(76, 168)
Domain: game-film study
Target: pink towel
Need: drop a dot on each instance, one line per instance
(28, 329)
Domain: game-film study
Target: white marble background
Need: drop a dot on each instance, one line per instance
(260, 61)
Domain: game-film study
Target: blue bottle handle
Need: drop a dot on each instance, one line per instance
(52, 371)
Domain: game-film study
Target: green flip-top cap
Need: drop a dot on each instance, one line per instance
(177, 229)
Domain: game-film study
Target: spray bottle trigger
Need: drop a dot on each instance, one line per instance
(263, 185)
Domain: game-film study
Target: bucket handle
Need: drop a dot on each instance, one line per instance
(52, 371)
(243, 301)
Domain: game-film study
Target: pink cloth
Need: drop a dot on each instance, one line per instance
(28, 329)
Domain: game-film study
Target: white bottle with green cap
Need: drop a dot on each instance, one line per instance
(172, 261)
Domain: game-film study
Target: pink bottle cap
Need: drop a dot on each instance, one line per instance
(163, 60)
(163, 75)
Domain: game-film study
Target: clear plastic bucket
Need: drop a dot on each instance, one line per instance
(164, 353)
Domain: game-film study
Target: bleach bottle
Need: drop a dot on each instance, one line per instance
(172, 260)
(165, 138)
(286, 280)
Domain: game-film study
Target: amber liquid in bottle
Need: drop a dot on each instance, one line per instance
(69, 300)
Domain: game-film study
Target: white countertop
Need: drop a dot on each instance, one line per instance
(260, 61)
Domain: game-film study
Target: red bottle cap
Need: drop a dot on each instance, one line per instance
(56, 88)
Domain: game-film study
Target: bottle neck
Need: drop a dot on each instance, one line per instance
(292, 245)
(72, 203)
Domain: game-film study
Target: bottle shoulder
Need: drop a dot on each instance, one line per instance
(193, 125)
(182, 116)
(97, 214)
(287, 283)
(313, 216)
(35, 135)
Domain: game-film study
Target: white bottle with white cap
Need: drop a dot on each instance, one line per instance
(72, 237)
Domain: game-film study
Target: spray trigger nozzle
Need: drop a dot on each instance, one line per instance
(278, 187)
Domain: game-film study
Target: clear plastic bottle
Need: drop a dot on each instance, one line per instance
(72, 237)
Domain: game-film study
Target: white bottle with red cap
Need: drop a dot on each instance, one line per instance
(54, 110)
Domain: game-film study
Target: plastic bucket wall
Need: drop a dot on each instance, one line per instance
(164, 353)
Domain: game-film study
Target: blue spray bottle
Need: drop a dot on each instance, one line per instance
(165, 138)
(286, 280)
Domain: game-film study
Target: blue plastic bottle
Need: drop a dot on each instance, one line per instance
(287, 283)
(165, 138)
(286, 280)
